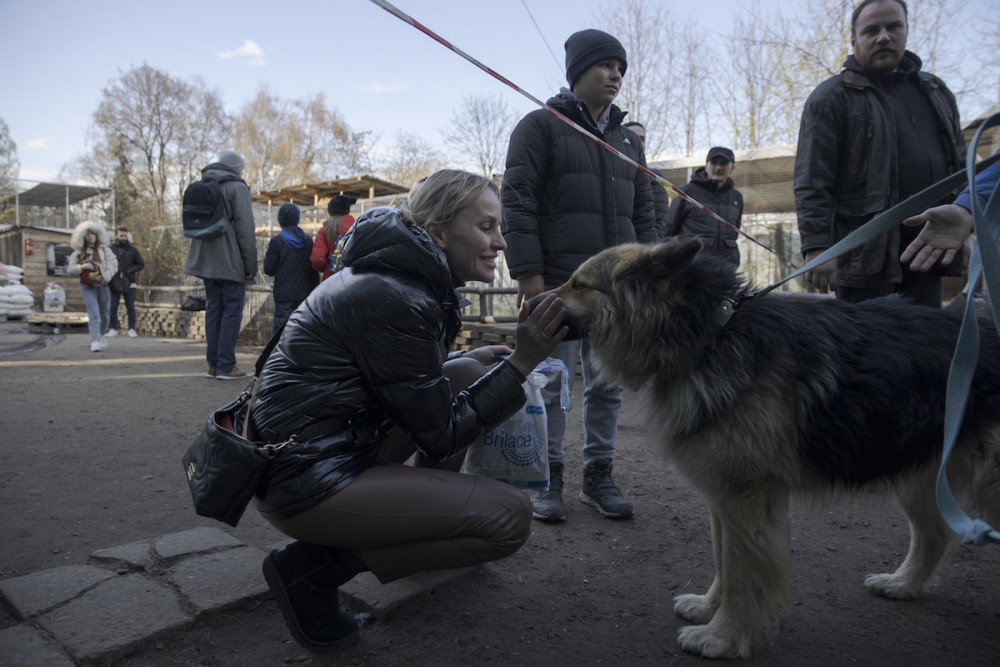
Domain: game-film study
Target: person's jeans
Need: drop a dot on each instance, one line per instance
(601, 405)
(223, 315)
(129, 308)
(96, 300)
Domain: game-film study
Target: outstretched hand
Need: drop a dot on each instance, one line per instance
(538, 333)
(945, 231)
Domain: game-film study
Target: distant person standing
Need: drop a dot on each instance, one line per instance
(226, 264)
(129, 263)
(712, 186)
(566, 198)
(870, 137)
(326, 250)
(287, 259)
(661, 201)
(95, 264)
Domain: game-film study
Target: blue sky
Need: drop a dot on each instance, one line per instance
(380, 73)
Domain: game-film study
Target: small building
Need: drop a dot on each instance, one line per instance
(39, 222)
(42, 252)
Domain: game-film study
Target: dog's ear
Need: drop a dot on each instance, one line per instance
(676, 252)
(661, 260)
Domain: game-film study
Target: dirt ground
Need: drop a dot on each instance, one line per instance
(90, 458)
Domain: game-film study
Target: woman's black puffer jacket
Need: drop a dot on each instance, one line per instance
(363, 353)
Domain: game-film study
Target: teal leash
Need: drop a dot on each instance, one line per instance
(985, 261)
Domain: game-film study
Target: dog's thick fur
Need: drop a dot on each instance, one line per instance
(788, 396)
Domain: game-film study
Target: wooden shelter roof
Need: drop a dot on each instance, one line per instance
(314, 194)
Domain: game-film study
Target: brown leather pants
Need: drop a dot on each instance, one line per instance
(410, 518)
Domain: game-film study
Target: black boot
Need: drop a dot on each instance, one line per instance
(599, 491)
(304, 579)
(547, 505)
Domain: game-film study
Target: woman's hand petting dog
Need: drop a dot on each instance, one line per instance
(539, 330)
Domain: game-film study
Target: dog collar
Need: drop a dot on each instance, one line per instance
(724, 311)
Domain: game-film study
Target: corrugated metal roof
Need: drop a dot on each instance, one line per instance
(316, 194)
(54, 194)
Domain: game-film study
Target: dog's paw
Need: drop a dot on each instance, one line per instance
(707, 642)
(694, 608)
(892, 586)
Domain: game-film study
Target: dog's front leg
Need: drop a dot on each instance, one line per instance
(701, 608)
(753, 576)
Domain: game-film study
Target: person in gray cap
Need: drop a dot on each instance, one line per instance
(712, 186)
(565, 198)
(226, 264)
(287, 259)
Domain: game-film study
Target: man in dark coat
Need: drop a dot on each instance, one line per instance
(711, 186)
(875, 134)
(129, 263)
(565, 198)
(287, 259)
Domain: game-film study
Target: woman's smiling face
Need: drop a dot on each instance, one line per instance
(472, 241)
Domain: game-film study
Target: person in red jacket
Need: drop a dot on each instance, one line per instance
(325, 253)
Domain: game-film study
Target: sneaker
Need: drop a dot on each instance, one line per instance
(233, 373)
(548, 505)
(599, 491)
(304, 579)
(132, 333)
(112, 333)
(95, 346)
(211, 372)
(104, 342)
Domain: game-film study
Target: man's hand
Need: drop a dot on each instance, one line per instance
(824, 276)
(529, 287)
(946, 229)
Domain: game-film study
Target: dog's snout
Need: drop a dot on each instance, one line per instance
(535, 300)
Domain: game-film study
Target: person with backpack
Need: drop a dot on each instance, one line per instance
(123, 284)
(224, 258)
(329, 243)
(287, 259)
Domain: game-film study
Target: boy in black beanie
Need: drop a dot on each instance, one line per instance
(566, 198)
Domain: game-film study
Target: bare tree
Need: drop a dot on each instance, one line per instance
(479, 130)
(752, 89)
(410, 159)
(647, 33)
(259, 135)
(327, 146)
(143, 109)
(9, 167)
(202, 132)
(286, 142)
(9, 164)
(688, 98)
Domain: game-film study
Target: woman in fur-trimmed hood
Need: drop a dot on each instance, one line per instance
(95, 263)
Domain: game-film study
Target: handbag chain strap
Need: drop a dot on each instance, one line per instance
(268, 449)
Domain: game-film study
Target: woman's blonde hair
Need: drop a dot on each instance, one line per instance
(332, 228)
(437, 198)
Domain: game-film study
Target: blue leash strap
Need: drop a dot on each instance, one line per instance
(985, 261)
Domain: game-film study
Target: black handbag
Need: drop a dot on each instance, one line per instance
(225, 465)
(120, 283)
